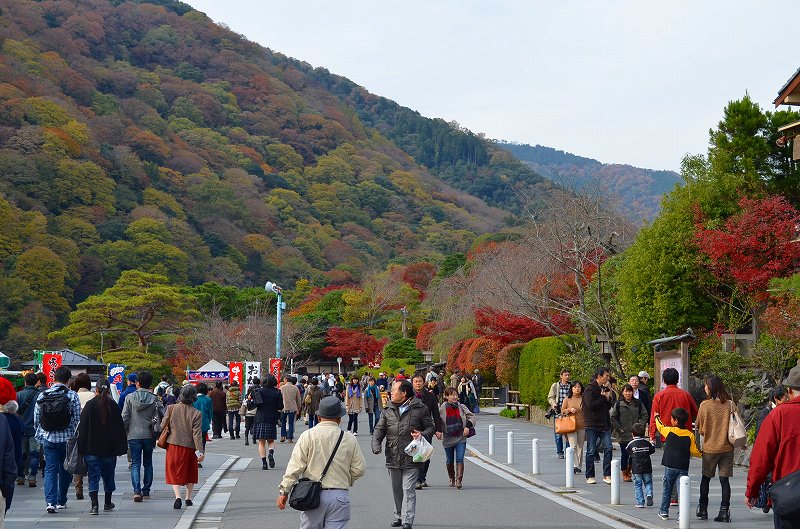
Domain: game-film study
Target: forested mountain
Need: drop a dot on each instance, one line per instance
(141, 135)
(640, 188)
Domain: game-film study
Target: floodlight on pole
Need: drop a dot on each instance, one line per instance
(272, 287)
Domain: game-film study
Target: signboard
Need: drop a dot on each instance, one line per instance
(202, 376)
(235, 373)
(251, 370)
(676, 358)
(275, 367)
(116, 375)
(51, 362)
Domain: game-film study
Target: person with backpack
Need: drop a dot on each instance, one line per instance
(142, 416)
(56, 417)
(626, 412)
(163, 386)
(26, 397)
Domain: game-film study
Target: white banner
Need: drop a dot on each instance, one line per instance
(251, 369)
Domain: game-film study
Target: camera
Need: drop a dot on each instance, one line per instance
(551, 413)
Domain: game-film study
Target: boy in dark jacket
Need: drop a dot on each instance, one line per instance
(639, 450)
(679, 447)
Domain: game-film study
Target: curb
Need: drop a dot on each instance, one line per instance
(562, 493)
(189, 516)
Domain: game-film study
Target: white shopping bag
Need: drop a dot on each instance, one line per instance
(419, 449)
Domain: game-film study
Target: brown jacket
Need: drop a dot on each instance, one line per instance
(184, 426)
(291, 397)
(713, 418)
(577, 403)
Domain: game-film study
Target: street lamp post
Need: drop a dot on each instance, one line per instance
(272, 287)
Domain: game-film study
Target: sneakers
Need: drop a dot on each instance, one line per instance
(418, 486)
(576, 470)
(561, 456)
(137, 498)
(355, 433)
(640, 506)
(663, 515)
(649, 501)
(51, 508)
(607, 480)
(591, 481)
(673, 503)
(61, 507)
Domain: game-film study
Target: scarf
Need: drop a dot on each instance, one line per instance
(454, 426)
(354, 391)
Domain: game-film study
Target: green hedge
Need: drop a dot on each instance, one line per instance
(404, 349)
(539, 366)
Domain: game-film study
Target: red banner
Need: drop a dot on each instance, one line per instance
(236, 370)
(51, 362)
(275, 367)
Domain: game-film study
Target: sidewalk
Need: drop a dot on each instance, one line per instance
(28, 507)
(552, 477)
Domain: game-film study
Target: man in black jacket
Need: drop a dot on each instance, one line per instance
(26, 398)
(430, 400)
(405, 418)
(597, 402)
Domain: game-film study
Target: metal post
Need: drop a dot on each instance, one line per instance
(684, 500)
(491, 439)
(615, 479)
(510, 448)
(535, 456)
(278, 326)
(569, 461)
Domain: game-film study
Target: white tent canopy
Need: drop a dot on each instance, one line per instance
(213, 365)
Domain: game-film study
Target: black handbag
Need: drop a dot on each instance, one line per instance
(305, 493)
(785, 495)
(74, 462)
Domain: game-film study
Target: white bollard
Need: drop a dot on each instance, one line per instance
(535, 456)
(615, 479)
(569, 460)
(510, 448)
(684, 502)
(491, 439)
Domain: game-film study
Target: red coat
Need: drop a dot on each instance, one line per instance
(777, 449)
(668, 399)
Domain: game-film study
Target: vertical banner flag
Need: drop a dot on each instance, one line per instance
(116, 376)
(51, 362)
(235, 372)
(252, 369)
(275, 367)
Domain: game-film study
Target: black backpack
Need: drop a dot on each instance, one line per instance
(54, 412)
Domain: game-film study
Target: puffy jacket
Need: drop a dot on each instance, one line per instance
(137, 415)
(623, 416)
(596, 408)
(234, 398)
(396, 429)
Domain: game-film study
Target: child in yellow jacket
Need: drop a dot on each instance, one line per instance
(679, 447)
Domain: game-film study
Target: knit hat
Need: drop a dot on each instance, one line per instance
(793, 380)
(132, 378)
(8, 395)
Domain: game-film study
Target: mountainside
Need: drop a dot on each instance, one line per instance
(141, 135)
(639, 188)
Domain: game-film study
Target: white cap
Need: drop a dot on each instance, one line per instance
(644, 374)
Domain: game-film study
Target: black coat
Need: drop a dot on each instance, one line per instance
(396, 429)
(99, 439)
(269, 411)
(429, 399)
(596, 408)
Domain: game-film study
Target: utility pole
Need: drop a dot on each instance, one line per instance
(405, 322)
(272, 287)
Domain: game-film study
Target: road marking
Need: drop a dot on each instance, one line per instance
(216, 503)
(593, 515)
(227, 482)
(242, 464)
(200, 497)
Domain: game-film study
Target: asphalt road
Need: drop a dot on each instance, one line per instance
(487, 499)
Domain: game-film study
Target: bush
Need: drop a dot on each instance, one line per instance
(508, 364)
(404, 348)
(511, 414)
(539, 366)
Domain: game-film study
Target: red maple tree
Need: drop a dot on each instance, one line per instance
(349, 343)
(504, 327)
(753, 246)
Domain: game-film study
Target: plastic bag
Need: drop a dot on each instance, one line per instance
(419, 449)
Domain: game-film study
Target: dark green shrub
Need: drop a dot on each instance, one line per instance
(404, 349)
(539, 365)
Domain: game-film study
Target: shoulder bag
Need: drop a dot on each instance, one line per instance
(305, 493)
(785, 496)
(737, 435)
(566, 424)
(74, 462)
(162, 439)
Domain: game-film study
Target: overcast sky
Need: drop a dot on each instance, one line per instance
(620, 81)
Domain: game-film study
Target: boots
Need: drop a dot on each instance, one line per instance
(724, 515)
(108, 505)
(459, 474)
(702, 512)
(93, 499)
(78, 481)
(626, 474)
(451, 471)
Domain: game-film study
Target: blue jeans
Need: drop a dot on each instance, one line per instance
(141, 452)
(592, 436)
(287, 416)
(372, 422)
(101, 467)
(638, 481)
(455, 452)
(233, 417)
(312, 420)
(624, 458)
(671, 477)
(30, 453)
(56, 479)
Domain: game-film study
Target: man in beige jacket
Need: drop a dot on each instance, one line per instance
(309, 457)
(291, 405)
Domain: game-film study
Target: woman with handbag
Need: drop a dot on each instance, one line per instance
(181, 429)
(265, 425)
(458, 419)
(572, 406)
(101, 438)
(248, 410)
(466, 394)
(713, 420)
(626, 412)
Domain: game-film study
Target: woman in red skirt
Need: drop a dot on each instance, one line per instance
(185, 448)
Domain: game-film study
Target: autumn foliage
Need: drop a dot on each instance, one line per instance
(424, 334)
(350, 343)
(504, 328)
